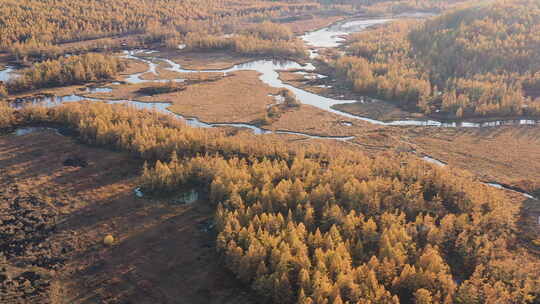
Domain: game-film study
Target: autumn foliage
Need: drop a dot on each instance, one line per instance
(316, 225)
(66, 71)
(479, 61)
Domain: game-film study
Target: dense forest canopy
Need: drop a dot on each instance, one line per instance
(324, 225)
(61, 21)
(476, 61)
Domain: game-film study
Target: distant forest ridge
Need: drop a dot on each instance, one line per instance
(476, 61)
(52, 22)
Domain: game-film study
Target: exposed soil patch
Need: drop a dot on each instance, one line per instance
(75, 161)
(54, 219)
(27, 256)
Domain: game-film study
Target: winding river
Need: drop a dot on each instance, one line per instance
(270, 76)
(7, 73)
(327, 37)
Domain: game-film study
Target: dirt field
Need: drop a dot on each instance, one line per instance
(162, 253)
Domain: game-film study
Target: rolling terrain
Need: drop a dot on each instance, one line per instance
(269, 152)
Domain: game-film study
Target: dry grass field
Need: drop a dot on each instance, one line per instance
(204, 60)
(312, 120)
(509, 155)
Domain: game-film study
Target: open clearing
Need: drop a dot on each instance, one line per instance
(162, 253)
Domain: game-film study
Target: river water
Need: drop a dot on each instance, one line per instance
(332, 36)
(268, 69)
(270, 76)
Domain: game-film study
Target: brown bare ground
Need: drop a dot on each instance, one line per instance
(161, 254)
(134, 66)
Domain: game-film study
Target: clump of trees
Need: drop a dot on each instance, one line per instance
(66, 71)
(320, 225)
(263, 39)
(472, 62)
(3, 90)
(269, 31)
(289, 99)
(147, 134)
(162, 88)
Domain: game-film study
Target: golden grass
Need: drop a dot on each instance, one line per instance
(134, 66)
(510, 154)
(238, 97)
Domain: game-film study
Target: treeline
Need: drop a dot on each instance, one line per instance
(65, 71)
(473, 62)
(149, 135)
(67, 21)
(31, 51)
(377, 7)
(319, 225)
(37, 30)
